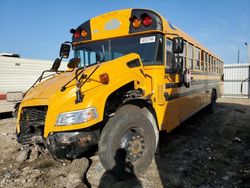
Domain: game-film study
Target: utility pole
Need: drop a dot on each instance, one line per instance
(248, 52)
(248, 62)
(238, 60)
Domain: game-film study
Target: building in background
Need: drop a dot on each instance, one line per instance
(236, 80)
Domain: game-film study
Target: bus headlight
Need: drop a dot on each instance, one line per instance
(75, 117)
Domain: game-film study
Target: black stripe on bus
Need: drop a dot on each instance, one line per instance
(173, 85)
(191, 91)
(206, 73)
(193, 82)
(178, 95)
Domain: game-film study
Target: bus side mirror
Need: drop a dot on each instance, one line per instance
(178, 45)
(178, 64)
(73, 63)
(64, 51)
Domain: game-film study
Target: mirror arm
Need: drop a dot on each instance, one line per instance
(60, 64)
(76, 74)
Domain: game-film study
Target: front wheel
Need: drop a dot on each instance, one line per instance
(128, 143)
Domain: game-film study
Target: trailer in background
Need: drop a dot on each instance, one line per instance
(17, 75)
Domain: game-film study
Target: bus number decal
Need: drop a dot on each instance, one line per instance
(147, 40)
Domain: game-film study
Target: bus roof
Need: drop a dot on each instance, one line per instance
(120, 23)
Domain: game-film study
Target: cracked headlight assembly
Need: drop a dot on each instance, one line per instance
(75, 117)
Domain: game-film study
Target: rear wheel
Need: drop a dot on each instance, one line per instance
(128, 143)
(211, 107)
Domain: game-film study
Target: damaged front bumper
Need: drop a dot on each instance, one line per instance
(64, 145)
(70, 145)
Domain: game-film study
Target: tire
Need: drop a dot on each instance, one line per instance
(211, 107)
(128, 143)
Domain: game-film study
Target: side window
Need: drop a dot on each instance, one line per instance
(87, 57)
(184, 54)
(169, 55)
(202, 60)
(190, 56)
(206, 62)
(197, 58)
(210, 63)
(159, 56)
(215, 65)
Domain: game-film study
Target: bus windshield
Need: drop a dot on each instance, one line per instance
(149, 47)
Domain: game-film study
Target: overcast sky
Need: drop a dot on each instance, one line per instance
(35, 29)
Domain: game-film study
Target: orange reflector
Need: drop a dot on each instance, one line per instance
(136, 23)
(84, 33)
(104, 78)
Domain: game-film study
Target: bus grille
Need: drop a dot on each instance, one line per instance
(32, 122)
(34, 114)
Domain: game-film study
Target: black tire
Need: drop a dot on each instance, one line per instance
(128, 143)
(211, 107)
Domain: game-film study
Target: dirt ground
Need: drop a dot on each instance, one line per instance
(208, 150)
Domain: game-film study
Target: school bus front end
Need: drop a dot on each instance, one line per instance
(50, 115)
(68, 112)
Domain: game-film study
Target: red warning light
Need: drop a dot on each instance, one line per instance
(147, 20)
(77, 34)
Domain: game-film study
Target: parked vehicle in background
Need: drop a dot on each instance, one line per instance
(17, 75)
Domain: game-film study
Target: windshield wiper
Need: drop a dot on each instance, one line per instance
(76, 76)
(79, 96)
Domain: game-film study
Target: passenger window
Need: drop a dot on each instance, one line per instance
(210, 63)
(184, 54)
(202, 60)
(206, 62)
(169, 56)
(215, 65)
(190, 56)
(197, 58)
(159, 56)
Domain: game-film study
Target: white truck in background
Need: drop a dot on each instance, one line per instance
(17, 75)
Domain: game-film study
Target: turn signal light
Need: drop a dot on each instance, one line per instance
(104, 78)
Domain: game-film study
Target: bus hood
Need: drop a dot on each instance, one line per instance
(50, 89)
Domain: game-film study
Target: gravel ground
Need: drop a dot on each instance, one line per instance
(208, 150)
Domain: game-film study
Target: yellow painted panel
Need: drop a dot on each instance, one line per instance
(109, 25)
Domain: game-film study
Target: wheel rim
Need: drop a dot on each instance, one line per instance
(133, 142)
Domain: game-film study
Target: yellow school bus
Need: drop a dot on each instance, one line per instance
(133, 74)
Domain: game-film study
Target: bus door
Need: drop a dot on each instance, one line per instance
(172, 87)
